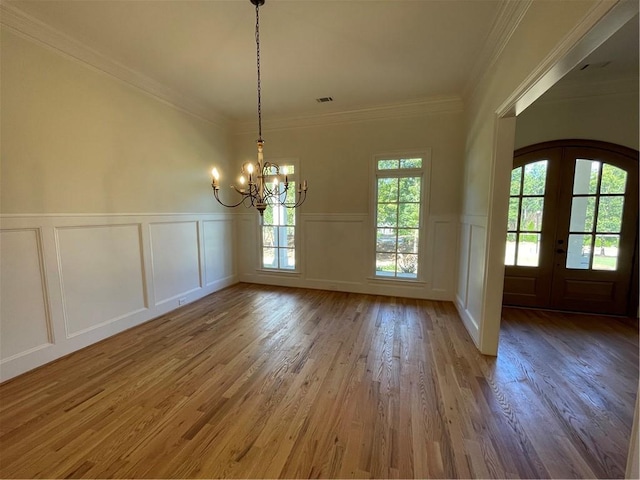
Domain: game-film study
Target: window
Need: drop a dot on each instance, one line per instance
(526, 205)
(398, 215)
(596, 215)
(279, 227)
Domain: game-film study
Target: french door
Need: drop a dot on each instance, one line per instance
(573, 228)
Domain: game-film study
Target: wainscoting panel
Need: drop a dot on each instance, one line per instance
(442, 252)
(25, 324)
(71, 280)
(218, 264)
(175, 253)
(101, 275)
(471, 273)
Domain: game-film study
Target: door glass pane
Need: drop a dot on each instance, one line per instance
(579, 251)
(528, 249)
(535, 177)
(514, 207)
(610, 214)
(582, 210)
(614, 179)
(510, 251)
(606, 252)
(585, 178)
(516, 175)
(531, 214)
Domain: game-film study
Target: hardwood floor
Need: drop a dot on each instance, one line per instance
(265, 382)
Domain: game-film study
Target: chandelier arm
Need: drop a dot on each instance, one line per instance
(217, 197)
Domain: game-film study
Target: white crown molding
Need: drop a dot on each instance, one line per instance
(505, 23)
(32, 28)
(452, 104)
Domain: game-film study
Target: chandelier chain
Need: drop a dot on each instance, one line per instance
(258, 68)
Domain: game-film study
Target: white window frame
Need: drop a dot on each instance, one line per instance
(294, 180)
(425, 173)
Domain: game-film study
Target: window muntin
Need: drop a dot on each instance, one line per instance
(278, 230)
(398, 212)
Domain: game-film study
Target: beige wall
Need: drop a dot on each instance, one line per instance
(76, 140)
(336, 234)
(609, 118)
(107, 218)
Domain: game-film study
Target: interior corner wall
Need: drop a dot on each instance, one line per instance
(609, 118)
(107, 218)
(543, 27)
(336, 235)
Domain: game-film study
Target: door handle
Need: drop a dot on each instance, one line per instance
(559, 250)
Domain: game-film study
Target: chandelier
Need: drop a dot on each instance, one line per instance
(262, 183)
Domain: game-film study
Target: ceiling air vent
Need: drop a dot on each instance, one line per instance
(324, 99)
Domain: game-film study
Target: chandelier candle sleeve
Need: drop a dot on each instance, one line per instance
(258, 192)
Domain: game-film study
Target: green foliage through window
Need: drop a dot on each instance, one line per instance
(398, 207)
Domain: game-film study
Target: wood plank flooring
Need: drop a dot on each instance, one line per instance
(267, 382)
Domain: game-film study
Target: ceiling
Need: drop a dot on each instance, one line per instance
(362, 53)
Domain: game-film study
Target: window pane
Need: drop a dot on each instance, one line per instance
(269, 236)
(291, 237)
(408, 240)
(387, 215)
(579, 252)
(610, 214)
(585, 177)
(510, 250)
(582, 210)
(387, 190)
(535, 178)
(269, 259)
(605, 255)
(287, 258)
(407, 265)
(267, 218)
(516, 175)
(386, 240)
(410, 189)
(386, 264)
(531, 214)
(411, 163)
(528, 249)
(514, 207)
(614, 179)
(387, 164)
(409, 215)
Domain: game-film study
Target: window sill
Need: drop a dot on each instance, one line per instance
(274, 271)
(398, 281)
